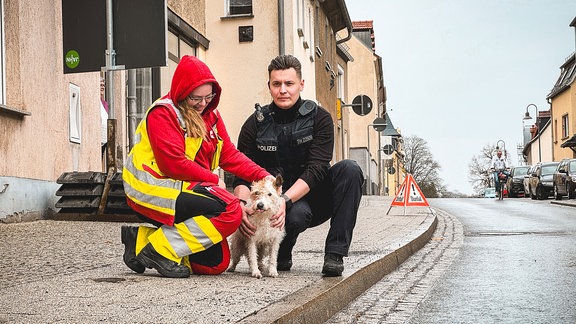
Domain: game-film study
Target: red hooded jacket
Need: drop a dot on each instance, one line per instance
(168, 139)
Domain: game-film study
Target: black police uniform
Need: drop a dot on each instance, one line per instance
(298, 144)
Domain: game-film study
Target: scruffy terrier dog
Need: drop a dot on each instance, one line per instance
(265, 200)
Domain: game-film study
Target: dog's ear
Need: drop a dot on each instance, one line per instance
(278, 182)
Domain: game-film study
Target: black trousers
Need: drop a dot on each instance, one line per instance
(213, 205)
(336, 199)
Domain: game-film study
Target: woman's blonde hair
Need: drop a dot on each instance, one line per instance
(195, 126)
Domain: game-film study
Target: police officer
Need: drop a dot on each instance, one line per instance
(295, 138)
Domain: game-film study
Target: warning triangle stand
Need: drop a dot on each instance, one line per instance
(409, 195)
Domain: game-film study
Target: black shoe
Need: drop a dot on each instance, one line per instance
(168, 268)
(284, 265)
(129, 234)
(333, 265)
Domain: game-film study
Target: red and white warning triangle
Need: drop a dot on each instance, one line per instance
(409, 194)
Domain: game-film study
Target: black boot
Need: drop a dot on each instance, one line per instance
(168, 268)
(284, 261)
(284, 264)
(333, 265)
(129, 234)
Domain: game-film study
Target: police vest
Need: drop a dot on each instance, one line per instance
(283, 148)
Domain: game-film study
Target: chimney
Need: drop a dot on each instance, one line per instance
(534, 130)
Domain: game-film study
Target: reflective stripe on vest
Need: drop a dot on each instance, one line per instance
(219, 145)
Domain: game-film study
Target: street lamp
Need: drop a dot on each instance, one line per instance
(379, 124)
(527, 117)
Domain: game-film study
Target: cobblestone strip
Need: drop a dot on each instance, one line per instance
(395, 298)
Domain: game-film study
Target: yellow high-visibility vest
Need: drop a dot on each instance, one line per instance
(144, 183)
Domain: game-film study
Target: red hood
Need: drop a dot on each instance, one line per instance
(190, 74)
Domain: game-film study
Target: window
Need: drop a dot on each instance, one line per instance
(555, 131)
(566, 75)
(565, 130)
(151, 83)
(239, 7)
(306, 27)
(340, 81)
(563, 165)
(570, 72)
(144, 96)
(178, 46)
(310, 29)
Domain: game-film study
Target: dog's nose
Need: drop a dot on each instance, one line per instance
(260, 205)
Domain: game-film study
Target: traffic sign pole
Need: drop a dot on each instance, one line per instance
(379, 124)
(362, 105)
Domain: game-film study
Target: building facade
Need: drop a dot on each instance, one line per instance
(50, 121)
(562, 100)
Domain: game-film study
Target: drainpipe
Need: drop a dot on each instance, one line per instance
(131, 107)
(281, 41)
(348, 22)
(110, 60)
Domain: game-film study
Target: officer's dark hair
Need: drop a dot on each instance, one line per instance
(284, 62)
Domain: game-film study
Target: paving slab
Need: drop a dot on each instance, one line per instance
(72, 272)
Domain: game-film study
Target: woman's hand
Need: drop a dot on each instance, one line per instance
(246, 228)
(221, 183)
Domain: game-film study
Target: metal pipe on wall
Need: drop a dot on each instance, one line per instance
(110, 59)
(281, 41)
(131, 107)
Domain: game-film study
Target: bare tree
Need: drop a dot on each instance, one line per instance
(420, 163)
(479, 173)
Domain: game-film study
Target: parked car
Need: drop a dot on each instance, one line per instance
(515, 182)
(490, 192)
(540, 182)
(527, 180)
(564, 179)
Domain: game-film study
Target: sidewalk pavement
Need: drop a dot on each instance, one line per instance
(569, 202)
(72, 272)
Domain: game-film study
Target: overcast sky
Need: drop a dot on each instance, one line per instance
(460, 73)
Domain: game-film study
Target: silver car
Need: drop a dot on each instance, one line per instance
(540, 183)
(527, 181)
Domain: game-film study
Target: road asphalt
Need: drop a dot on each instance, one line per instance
(71, 271)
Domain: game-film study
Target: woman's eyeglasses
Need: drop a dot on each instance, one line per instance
(197, 100)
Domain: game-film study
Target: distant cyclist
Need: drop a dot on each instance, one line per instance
(499, 165)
